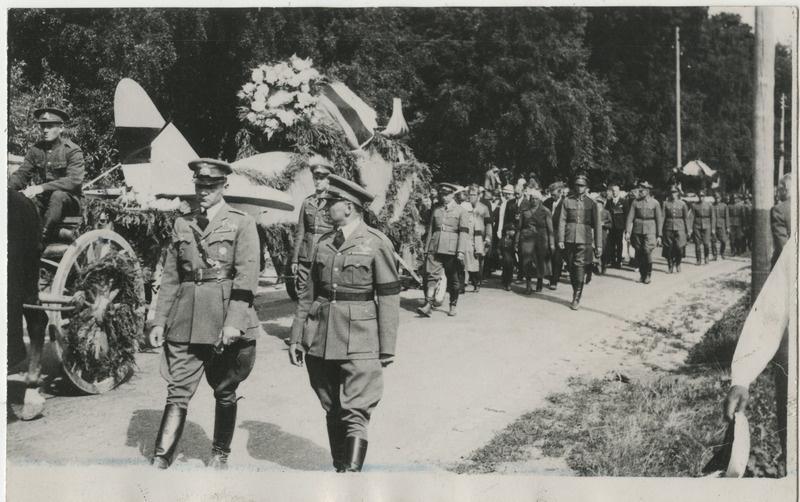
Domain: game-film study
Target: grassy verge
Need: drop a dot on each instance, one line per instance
(669, 425)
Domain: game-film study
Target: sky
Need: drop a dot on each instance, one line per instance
(783, 19)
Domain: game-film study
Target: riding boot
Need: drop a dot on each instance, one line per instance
(425, 310)
(669, 265)
(528, 287)
(648, 267)
(355, 452)
(224, 425)
(336, 439)
(539, 284)
(576, 297)
(168, 435)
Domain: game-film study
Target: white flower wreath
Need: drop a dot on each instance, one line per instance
(280, 95)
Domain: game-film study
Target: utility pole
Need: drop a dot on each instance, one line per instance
(678, 95)
(783, 121)
(764, 149)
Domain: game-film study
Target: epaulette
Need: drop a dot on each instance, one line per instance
(236, 211)
(377, 233)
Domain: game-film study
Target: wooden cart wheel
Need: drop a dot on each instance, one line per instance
(88, 248)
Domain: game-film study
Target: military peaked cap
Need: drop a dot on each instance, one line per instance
(448, 187)
(644, 184)
(581, 180)
(210, 171)
(343, 189)
(50, 116)
(319, 164)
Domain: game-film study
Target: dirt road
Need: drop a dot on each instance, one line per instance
(455, 383)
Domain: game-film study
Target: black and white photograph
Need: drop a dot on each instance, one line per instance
(372, 251)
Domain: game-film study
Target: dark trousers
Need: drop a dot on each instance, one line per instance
(183, 365)
(54, 206)
(347, 390)
(615, 245)
(557, 264)
(453, 271)
(577, 257)
(508, 265)
(702, 242)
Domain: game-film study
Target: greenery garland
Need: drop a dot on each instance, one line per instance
(102, 339)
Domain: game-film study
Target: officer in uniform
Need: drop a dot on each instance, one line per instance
(446, 248)
(644, 227)
(676, 229)
(705, 221)
(722, 228)
(60, 162)
(579, 224)
(345, 325)
(205, 311)
(313, 223)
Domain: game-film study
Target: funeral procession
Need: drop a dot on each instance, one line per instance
(337, 251)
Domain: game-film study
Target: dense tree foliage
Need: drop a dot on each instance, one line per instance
(549, 91)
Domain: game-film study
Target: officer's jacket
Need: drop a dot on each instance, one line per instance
(210, 278)
(721, 215)
(59, 162)
(310, 228)
(703, 215)
(619, 212)
(580, 221)
(645, 217)
(448, 230)
(736, 213)
(676, 217)
(481, 227)
(350, 307)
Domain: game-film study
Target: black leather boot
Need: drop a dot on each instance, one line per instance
(224, 426)
(168, 435)
(356, 451)
(528, 287)
(336, 439)
(539, 284)
(576, 297)
(648, 269)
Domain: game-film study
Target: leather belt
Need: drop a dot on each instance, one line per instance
(341, 296)
(199, 275)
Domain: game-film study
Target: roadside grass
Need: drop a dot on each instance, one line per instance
(668, 425)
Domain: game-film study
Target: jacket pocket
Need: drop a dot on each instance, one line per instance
(357, 270)
(220, 246)
(363, 336)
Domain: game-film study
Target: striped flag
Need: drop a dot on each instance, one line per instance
(356, 118)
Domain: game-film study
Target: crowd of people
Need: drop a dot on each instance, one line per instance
(529, 232)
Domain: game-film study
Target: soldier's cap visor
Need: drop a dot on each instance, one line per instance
(343, 189)
(50, 116)
(446, 188)
(209, 172)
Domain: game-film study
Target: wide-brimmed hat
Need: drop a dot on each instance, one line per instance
(644, 184)
(508, 189)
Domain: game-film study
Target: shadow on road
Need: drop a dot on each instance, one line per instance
(268, 442)
(143, 428)
(276, 330)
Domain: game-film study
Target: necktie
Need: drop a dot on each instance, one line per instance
(202, 219)
(338, 239)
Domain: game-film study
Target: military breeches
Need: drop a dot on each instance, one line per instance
(54, 206)
(673, 245)
(453, 271)
(347, 390)
(721, 236)
(702, 242)
(644, 244)
(577, 257)
(182, 366)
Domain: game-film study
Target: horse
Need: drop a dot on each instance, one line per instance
(24, 235)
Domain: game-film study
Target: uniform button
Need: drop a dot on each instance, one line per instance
(335, 269)
(338, 254)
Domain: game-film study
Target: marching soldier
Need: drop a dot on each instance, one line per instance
(205, 317)
(676, 228)
(579, 223)
(705, 221)
(345, 325)
(446, 248)
(312, 223)
(644, 229)
(60, 162)
(722, 228)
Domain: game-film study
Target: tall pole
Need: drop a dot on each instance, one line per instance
(764, 144)
(783, 121)
(679, 159)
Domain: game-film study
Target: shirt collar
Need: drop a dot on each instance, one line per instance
(350, 227)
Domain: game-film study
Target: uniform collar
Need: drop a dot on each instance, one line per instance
(213, 210)
(350, 227)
